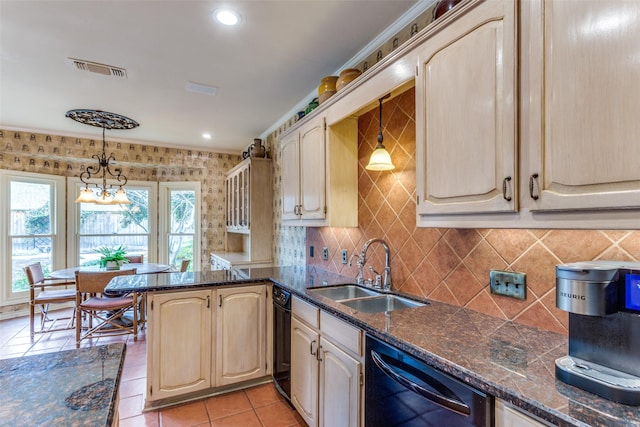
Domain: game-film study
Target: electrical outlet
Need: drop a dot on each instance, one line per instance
(508, 283)
(325, 253)
(344, 256)
(311, 251)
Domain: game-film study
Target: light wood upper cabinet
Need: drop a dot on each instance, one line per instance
(466, 143)
(319, 170)
(290, 176)
(249, 203)
(180, 351)
(241, 326)
(303, 172)
(582, 103)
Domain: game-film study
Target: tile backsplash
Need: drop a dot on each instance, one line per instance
(447, 264)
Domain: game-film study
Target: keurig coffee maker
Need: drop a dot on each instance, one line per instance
(603, 301)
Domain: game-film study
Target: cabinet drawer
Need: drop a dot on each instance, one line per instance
(347, 336)
(306, 312)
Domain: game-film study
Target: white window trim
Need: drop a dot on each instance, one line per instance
(58, 234)
(73, 218)
(164, 227)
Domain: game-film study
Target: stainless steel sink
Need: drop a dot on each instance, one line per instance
(381, 303)
(343, 292)
(364, 299)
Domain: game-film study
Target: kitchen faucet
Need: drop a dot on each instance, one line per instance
(362, 259)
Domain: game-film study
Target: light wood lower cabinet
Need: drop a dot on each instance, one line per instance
(339, 386)
(200, 340)
(304, 370)
(508, 416)
(241, 328)
(179, 343)
(326, 368)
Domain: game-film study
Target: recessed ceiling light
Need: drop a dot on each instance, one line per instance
(226, 16)
(206, 135)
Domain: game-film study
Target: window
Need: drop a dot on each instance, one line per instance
(131, 226)
(32, 227)
(179, 224)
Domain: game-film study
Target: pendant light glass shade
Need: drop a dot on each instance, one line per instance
(380, 159)
(86, 196)
(120, 198)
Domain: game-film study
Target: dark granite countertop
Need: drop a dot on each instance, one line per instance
(67, 388)
(510, 361)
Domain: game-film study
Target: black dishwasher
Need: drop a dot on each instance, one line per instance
(282, 341)
(401, 390)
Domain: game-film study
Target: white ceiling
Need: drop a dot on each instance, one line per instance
(265, 68)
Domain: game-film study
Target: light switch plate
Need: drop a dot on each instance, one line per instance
(508, 283)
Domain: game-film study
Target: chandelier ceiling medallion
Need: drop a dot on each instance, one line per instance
(104, 192)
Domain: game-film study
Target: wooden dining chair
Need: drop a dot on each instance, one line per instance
(137, 259)
(184, 265)
(44, 291)
(107, 312)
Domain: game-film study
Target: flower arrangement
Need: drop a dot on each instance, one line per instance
(112, 258)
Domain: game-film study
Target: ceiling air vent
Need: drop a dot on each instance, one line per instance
(94, 67)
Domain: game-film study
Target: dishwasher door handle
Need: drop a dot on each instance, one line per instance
(450, 403)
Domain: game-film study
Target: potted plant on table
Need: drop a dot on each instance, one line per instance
(112, 258)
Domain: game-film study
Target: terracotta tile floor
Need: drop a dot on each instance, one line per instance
(260, 406)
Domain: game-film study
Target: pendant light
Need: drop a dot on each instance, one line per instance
(380, 159)
(105, 194)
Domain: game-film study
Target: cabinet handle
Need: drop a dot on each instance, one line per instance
(313, 353)
(531, 179)
(219, 300)
(319, 354)
(504, 189)
(208, 301)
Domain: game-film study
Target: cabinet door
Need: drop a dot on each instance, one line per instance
(290, 176)
(508, 416)
(179, 356)
(465, 114)
(340, 387)
(241, 334)
(585, 98)
(304, 371)
(312, 170)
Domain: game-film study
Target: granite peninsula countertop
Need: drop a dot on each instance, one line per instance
(67, 388)
(511, 361)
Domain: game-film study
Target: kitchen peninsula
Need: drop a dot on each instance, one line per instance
(513, 362)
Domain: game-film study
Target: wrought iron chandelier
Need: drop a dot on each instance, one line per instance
(103, 193)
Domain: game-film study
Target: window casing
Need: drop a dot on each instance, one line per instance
(133, 226)
(179, 223)
(32, 228)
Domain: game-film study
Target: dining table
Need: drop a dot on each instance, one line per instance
(141, 268)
